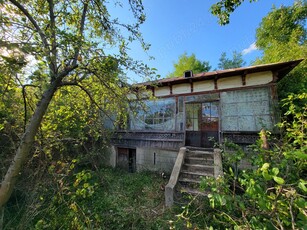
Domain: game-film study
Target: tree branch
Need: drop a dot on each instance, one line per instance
(87, 93)
(28, 15)
(38, 29)
(82, 24)
(53, 57)
(25, 104)
(65, 72)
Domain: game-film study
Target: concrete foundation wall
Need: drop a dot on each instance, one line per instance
(155, 159)
(149, 159)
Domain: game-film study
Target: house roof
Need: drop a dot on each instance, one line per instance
(279, 70)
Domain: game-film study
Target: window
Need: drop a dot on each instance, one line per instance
(157, 115)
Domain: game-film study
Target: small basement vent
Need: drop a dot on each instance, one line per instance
(188, 73)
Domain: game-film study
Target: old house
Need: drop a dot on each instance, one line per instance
(199, 110)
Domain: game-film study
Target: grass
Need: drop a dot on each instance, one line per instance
(105, 199)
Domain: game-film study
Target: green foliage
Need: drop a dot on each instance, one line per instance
(72, 43)
(223, 8)
(269, 195)
(80, 198)
(282, 25)
(11, 109)
(282, 37)
(226, 63)
(186, 62)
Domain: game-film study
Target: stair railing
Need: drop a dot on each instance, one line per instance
(218, 166)
(170, 187)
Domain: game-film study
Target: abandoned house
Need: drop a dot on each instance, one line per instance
(199, 111)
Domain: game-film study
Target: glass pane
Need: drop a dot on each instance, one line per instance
(158, 115)
(192, 114)
(214, 109)
(206, 110)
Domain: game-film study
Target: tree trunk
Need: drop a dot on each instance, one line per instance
(10, 178)
(1, 216)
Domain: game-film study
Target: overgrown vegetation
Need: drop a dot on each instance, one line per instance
(63, 183)
(271, 195)
(72, 44)
(74, 197)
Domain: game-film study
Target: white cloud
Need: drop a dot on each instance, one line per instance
(250, 49)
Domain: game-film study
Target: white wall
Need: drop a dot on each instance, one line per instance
(181, 88)
(259, 78)
(230, 82)
(162, 91)
(203, 86)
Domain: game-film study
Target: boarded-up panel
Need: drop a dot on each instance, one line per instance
(246, 110)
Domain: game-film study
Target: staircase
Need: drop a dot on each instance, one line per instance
(197, 163)
(191, 165)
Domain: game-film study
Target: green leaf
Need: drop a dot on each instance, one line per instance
(275, 171)
(266, 175)
(302, 185)
(279, 180)
(265, 166)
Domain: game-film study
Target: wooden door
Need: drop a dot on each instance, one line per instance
(209, 124)
(202, 124)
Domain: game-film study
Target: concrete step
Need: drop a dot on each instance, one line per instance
(195, 174)
(198, 168)
(198, 163)
(198, 160)
(191, 148)
(189, 181)
(200, 154)
(193, 191)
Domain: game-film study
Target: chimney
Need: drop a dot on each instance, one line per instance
(188, 73)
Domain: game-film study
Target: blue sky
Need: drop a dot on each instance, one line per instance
(173, 27)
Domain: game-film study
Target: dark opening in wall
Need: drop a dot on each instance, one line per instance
(188, 73)
(126, 159)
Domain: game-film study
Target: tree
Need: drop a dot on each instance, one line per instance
(282, 37)
(235, 62)
(70, 41)
(186, 62)
(222, 9)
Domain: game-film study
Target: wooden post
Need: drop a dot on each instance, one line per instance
(264, 140)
